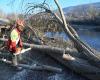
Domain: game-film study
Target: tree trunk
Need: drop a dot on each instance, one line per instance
(86, 50)
(80, 66)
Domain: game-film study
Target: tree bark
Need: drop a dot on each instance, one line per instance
(86, 50)
(35, 66)
(80, 66)
(54, 50)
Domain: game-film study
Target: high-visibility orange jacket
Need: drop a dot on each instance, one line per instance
(14, 40)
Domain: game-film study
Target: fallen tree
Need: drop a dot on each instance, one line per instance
(54, 50)
(34, 66)
(79, 45)
(84, 49)
(92, 56)
(78, 64)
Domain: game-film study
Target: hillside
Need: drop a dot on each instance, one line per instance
(83, 13)
(81, 8)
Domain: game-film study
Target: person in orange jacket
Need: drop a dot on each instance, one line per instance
(14, 42)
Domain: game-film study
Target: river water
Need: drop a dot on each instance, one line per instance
(88, 36)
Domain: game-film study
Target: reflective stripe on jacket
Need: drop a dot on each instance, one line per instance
(14, 41)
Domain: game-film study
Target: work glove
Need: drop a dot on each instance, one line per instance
(18, 51)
